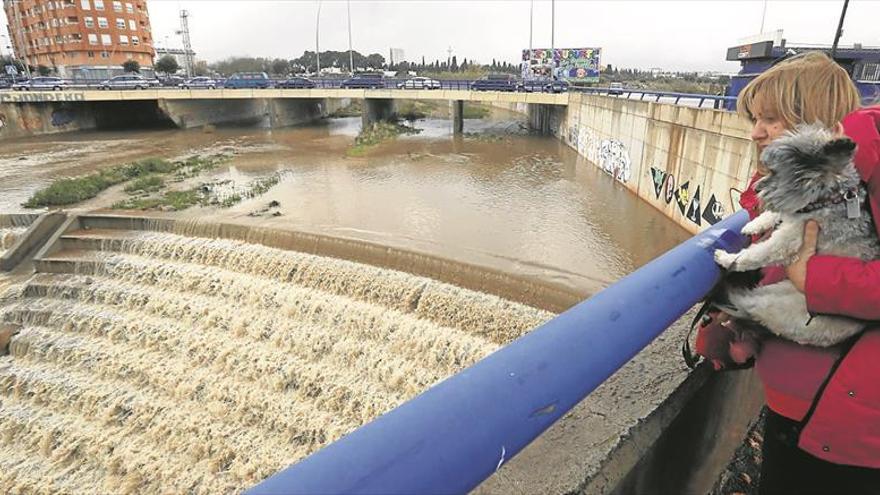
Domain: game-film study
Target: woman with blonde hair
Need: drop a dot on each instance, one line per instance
(823, 404)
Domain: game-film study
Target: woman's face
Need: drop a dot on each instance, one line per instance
(767, 127)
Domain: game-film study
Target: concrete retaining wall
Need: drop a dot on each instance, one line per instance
(31, 119)
(687, 162)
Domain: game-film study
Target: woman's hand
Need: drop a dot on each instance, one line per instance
(797, 271)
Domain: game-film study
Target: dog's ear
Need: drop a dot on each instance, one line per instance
(841, 147)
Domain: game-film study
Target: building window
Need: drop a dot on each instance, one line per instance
(99, 4)
(870, 72)
(105, 55)
(132, 25)
(102, 22)
(120, 23)
(93, 39)
(129, 8)
(90, 22)
(86, 5)
(123, 39)
(135, 41)
(117, 6)
(90, 54)
(105, 39)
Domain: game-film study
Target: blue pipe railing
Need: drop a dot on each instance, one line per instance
(457, 433)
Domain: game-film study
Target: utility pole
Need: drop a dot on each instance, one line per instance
(188, 62)
(839, 32)
(449, 58)
(317, 35)
(350, 56)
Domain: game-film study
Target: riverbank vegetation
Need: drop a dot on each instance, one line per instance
(377, 133)
(142, 175)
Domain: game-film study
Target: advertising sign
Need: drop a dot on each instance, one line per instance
(575, 65)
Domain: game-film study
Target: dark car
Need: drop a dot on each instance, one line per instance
(556, 86)
(495, 82)
(296, 83)
(5, 83)
(251, 80)
(364, 81)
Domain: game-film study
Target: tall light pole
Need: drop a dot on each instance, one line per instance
(317, 35)
(763, 16)
(531, 25)
(350, 56)
(553, 38)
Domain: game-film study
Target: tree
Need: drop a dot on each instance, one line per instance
(131, 66)
(43, 70)
(280, 67)
(201, 68)
(454, 66)
(167, 65)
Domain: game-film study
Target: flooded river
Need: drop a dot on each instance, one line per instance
(498, 197)
(149, 362)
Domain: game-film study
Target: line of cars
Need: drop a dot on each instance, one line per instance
(261, 80)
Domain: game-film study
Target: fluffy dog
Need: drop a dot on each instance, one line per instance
(811, 176)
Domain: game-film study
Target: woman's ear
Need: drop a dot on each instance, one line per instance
(838, 130)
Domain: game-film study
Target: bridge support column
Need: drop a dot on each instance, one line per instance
(377, 109)
(457, 116)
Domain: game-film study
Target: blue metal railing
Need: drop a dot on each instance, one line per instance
(457, 433)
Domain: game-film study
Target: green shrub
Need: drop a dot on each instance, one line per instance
(146, 184)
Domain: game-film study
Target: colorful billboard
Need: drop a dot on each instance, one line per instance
(576, 65)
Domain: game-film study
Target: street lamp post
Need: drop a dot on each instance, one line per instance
(350, 56)
(317, 36)
(839, 31)
(553, 39)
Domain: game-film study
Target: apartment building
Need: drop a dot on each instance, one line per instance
(80, 39)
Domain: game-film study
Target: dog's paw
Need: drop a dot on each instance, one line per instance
(724, 259)
(752, 228)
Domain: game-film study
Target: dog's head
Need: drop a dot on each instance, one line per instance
(804, 166)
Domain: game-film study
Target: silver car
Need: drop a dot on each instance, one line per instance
(199, 82)
(128, 81)
(419, 83)
(41, 83)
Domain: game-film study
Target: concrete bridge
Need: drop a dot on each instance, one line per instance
(29, 113)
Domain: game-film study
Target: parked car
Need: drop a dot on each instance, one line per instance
(365, 81)
(129, 81)
(556, 86)
(171, 81)
(296, 83)
(248, 80)
(199, 82)
(41, 83)
(616, 88)
(495, 82)
(419, 83)
(5, 83)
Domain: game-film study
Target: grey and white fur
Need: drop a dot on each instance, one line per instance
(809, 169)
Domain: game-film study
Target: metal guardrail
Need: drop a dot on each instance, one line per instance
(688, 99)
(457, 433)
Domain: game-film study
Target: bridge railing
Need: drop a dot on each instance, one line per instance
(460, 431)
(686, 99)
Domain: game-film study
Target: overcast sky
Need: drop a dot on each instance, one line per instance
(679, 35)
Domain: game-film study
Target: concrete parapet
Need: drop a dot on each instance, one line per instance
(39, 232)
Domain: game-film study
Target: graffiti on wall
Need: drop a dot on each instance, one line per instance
(31, 97)
(62, 117)
(689, 201)
(614, 159)
(2, 121)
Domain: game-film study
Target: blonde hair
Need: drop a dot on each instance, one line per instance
(807, 88)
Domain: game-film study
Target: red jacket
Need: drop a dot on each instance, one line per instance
(845, 425)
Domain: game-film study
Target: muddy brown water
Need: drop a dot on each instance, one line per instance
(498, 198)
(159, 362)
